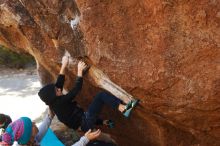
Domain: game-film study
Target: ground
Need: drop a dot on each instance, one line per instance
(18, 93)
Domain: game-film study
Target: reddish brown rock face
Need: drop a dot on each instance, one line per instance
(164, 52)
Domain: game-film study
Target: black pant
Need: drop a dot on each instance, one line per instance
(90, 117)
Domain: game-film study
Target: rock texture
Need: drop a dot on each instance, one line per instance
(164, 52)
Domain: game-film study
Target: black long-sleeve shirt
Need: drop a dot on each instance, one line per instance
(65, 108)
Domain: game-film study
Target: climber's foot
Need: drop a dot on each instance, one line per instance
(129, 107)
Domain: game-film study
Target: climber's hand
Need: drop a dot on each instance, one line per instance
(65, 61)
(81, 66)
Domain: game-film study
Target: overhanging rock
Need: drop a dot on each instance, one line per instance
(164, 52)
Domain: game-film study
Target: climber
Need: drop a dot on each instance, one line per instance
(68, 111)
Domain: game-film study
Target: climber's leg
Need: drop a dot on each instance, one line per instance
(95, 108)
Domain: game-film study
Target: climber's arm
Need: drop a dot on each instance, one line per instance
(61, 78)
(78, 83)
(65, 61)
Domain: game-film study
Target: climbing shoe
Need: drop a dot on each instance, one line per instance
(109, 123)
(129, 107)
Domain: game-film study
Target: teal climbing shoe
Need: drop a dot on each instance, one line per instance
(134, 102)
(129, 107)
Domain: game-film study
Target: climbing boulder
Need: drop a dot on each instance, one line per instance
(163, 52)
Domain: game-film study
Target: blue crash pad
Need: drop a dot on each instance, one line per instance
(50, 139)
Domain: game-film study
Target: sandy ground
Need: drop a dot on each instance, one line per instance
(18, 93)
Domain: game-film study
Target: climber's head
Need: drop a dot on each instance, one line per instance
(47, 93)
